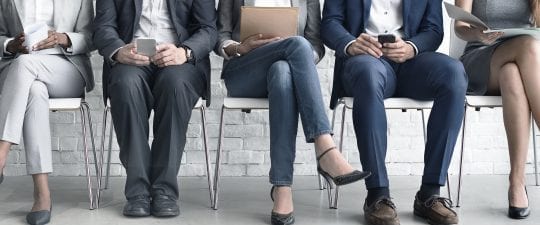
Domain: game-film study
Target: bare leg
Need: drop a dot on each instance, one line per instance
(42, 195)
(333, 162)
(283, 201)
(4, 150)
(518, 63)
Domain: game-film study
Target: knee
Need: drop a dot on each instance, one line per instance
(23, 61)
(299, 43)
(121, 84)
(528, 47)
(38, 90)
(510, 81)
(279, 76)
(365, 73)
(453, 77)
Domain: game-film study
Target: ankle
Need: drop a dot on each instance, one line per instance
(377, 193)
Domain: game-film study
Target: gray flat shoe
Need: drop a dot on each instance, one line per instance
(39, 217)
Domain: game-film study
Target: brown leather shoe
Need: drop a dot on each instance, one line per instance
(436, 210)
(382, 212)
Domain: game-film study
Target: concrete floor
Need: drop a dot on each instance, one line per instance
(246, 201)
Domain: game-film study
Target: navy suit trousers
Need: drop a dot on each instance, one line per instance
(428, 76)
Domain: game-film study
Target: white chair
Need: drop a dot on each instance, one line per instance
(198, 106)
(79, 104)
(245, 105)
(457, 47)
(402, 104)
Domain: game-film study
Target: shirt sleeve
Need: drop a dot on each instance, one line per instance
(5, 46)
(347, 46)
(414, 46)
(226, 44)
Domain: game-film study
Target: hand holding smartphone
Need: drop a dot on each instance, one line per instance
(146, 47)
(386, 38)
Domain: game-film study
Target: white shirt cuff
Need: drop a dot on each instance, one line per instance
(414, 46)
(226, 44)
(5, 46)
(347, 46)
(112, 55)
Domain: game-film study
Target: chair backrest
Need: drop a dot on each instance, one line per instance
(457, 46)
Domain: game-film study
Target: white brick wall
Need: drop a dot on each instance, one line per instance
(246, 146)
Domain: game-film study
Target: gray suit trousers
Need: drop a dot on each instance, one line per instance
(28, 83)
(171, 92)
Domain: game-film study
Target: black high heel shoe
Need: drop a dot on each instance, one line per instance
(351, 177)
(519, 213)
(280, 219)
(41, 217)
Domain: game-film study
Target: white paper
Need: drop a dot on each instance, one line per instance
(534, 32)
(35, 33)
(459, 14)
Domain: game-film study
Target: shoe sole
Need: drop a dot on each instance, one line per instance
(377, 221)
(135, 215)
(166, 214)
(416, 213)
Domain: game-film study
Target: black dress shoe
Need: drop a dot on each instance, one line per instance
(342, 179)
(280, 219)
(164, 206)
(519, 213)
(137, 207)
(39, 217)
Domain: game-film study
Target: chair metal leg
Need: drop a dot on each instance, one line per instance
(86, 158)
(97, 162)
(535, 161)
(334, 202)
(109, 154)
(218, 160)
(460, 174)
(207, 154)
(103, 133)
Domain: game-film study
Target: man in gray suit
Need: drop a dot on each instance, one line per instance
(169, 82)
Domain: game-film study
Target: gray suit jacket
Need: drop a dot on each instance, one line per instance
(194, 21)
(74, 19)
(308, 23)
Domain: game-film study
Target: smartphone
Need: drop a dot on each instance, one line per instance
(386, 38)
(146, 47)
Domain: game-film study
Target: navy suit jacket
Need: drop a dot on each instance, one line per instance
(193, 20)
(344, 20)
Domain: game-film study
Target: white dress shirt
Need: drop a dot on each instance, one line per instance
(156, 23)
(37, 11)
(385, 17)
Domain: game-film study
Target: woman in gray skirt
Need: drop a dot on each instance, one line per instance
(509, 67)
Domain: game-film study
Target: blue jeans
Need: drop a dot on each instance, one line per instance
(428, 76)
(285, 73)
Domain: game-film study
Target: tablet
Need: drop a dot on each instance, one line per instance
(268, 21)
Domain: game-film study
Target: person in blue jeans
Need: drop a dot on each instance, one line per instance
(283, 70)
(409, 67)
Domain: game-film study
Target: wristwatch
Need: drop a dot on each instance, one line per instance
(189, 54)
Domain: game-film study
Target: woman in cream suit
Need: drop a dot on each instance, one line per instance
(56, 67)
(284, 71)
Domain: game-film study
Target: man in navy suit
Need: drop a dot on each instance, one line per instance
(169, 83)
(409, 67)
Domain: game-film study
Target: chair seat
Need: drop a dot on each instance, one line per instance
(397, 103)
(245, 103)
(199, 104)
(484, 101)
(61, 104)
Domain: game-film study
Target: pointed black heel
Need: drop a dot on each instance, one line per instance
(39, 217)
(519, 213)
(351, 177)
(280, 219)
